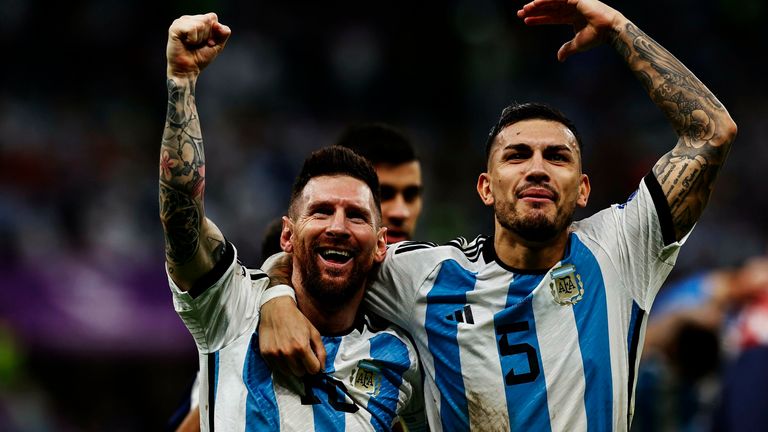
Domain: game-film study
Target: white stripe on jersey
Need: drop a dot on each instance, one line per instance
(562, 362)
(487, 413)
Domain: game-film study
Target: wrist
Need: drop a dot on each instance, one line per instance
(277, 291)
(181, 77)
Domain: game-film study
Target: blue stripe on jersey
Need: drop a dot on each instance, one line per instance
(261, 411)
(213, 382)
(633, 341)
(391, 354)
(326, 417)
(526, 387)
(448, 294)
(591, 315)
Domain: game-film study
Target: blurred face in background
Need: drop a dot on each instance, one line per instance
(401, 198)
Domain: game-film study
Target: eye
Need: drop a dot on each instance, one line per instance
(357, 216)
(411, 193)
(387, 193)
(322, 211)
(559, 157)
(517, 155)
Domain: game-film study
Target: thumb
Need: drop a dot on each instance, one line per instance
(566, 50)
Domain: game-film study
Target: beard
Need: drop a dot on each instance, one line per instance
(327, 287)
(536, 226)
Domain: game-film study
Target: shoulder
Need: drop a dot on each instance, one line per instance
(457, 247)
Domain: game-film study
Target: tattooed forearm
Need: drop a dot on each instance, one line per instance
(182, 175)
(704, 128)
(181, 220)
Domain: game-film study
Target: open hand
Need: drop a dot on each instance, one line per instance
(592, 21)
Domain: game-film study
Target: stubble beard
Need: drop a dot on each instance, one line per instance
(334, 293)
(536, 227)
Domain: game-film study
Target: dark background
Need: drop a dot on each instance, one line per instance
(88, 336)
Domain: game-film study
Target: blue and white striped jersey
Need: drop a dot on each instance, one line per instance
(370, 378)
(556, 350)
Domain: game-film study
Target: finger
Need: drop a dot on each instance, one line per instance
(191, 32)
(298, 369)
(539, 7)
(566, 50)
(316, 342)
(219, 35)
(547, 20)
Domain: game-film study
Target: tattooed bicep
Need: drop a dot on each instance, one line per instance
(686, 178)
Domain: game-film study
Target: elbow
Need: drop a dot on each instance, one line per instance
(726, 131)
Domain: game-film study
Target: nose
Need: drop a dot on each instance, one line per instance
(397, 209)
(537, 172)
(337, 226)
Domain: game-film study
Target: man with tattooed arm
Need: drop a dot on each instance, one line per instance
(334, 233)
(540, 326)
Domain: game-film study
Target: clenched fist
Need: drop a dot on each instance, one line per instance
(193, 42)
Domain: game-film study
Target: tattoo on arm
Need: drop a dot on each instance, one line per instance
(182, 175)
(704, 128)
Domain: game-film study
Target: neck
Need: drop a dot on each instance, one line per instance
(335, 320)
(522, 254)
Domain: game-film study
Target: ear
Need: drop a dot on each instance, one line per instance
(584, 189)
(484, 189)
(381, 245)
(286, 240)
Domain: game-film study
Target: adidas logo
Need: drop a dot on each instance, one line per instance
(462, 315)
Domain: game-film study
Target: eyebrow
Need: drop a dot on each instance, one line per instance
(354, 207)
(548, 147)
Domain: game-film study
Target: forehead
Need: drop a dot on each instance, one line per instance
(338, 190)
(406, 173)
(536, 133)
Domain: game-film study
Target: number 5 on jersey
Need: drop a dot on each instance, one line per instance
(505, 335)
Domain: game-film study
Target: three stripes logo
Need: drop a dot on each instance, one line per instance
(462, 315)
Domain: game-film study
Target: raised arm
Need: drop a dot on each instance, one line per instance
(193, 244)
(704, 127)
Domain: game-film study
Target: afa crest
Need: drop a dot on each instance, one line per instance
(566, 285)
(366, 378)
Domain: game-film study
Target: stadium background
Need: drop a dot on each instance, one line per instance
(88, 336)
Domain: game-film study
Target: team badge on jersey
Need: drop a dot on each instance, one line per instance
(366, 378)
(566, 286)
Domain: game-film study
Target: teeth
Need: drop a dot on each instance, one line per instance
(331, 252)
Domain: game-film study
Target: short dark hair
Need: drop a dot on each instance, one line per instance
(379, 143)
(270, 242)
(337, 160)
(525, 111)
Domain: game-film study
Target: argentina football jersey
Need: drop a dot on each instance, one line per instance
(371, 375)
(550, 350)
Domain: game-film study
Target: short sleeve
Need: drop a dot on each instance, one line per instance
(223, 306)
(638, 238)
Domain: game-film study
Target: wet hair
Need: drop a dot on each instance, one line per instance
(526, 111)
(332, 161)
(379, 143)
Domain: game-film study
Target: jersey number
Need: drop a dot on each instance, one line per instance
(329, 386)
(506, 349)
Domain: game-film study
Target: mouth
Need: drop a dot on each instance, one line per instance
(394, 236)
(335, 257)
(537, 194)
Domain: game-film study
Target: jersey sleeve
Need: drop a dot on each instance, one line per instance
(222, 305)
(639, 239)
(392, 292)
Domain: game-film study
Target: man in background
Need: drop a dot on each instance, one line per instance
(399, 172)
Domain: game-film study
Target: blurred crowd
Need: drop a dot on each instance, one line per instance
(88, 336)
